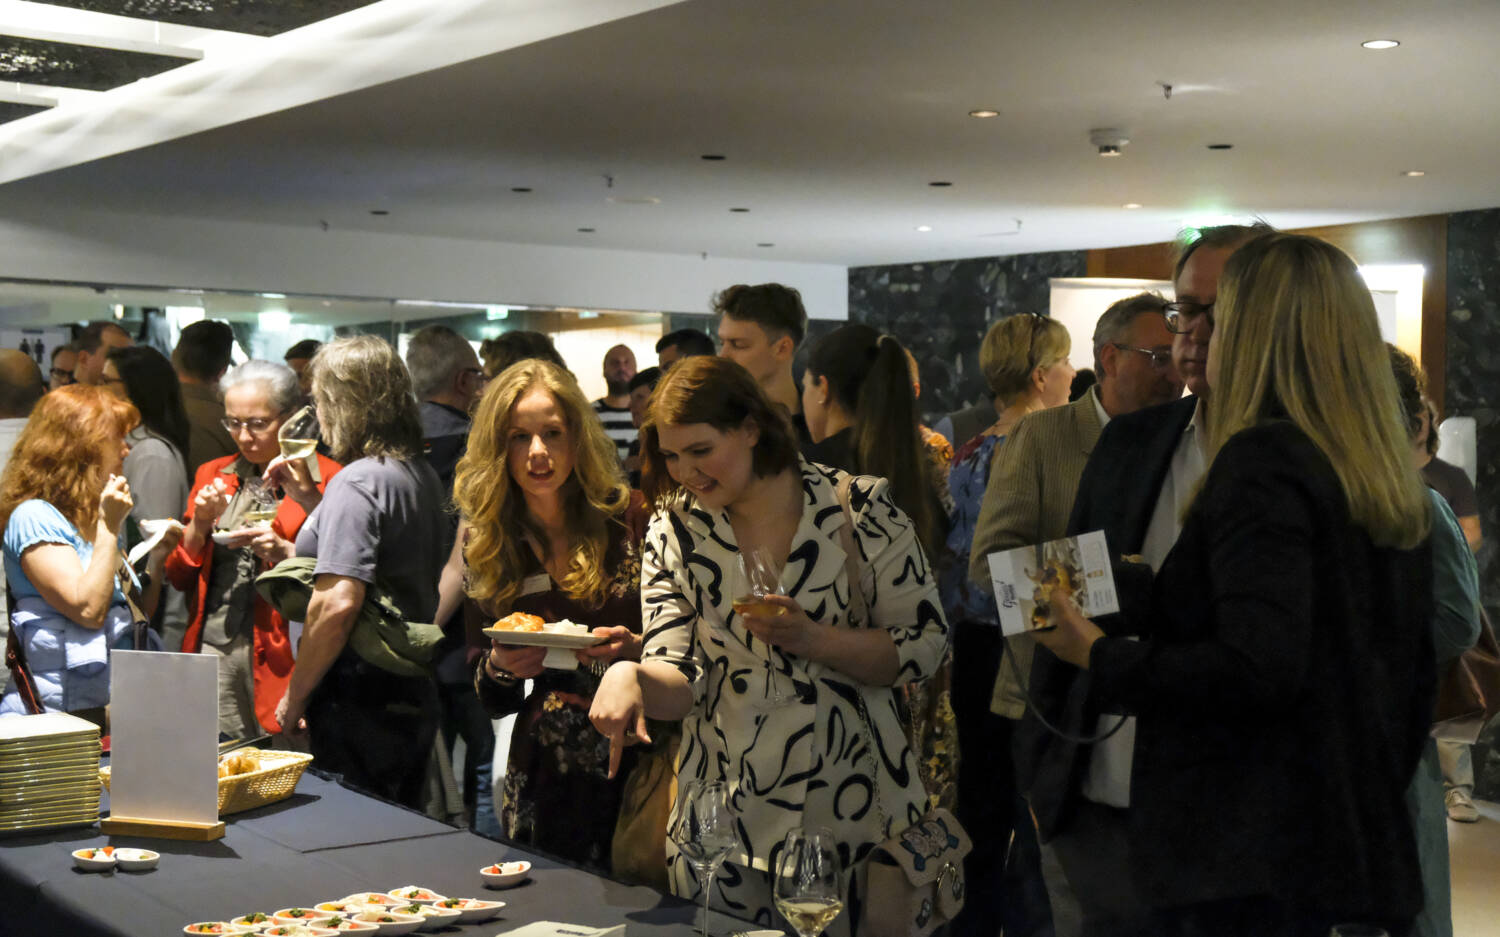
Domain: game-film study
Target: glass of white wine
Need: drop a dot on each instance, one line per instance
(807, 889)
(298, 436)
(703, 829)
(260, 502)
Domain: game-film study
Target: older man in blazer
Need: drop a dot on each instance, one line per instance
(1036, 471)
(1143, 471)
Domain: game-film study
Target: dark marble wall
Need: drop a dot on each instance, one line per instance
(1473, 379)
(941, 311)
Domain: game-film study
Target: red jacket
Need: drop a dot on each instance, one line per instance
(271, 651)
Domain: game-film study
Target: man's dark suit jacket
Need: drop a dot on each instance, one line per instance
(1283, 693)
(1116, 494)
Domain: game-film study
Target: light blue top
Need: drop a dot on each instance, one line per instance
(70, 663)
(35, 522)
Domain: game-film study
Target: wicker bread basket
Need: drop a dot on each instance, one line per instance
(275, 780)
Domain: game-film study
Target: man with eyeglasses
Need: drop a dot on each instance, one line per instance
(64, 360)
(1141, 475)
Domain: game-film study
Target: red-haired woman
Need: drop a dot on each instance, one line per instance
(62, 501)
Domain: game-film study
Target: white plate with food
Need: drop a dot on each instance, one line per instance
(415, 894)
(432, 917)
(471, 910)
(519, 628)
(338, 923)
(101, 859)
(391, 923)
(505, 874)
(136, 860)
(254, 921)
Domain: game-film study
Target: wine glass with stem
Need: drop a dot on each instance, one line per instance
(703, 829)
(260, 504)
(807, 888)
(298, 435)
(757, 576)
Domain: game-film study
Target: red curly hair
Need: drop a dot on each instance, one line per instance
(62, 452)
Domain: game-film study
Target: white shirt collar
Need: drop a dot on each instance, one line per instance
(1099, 407)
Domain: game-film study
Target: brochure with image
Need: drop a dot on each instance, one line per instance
(1025, 577)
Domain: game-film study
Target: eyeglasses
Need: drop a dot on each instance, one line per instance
(1183, 317)
(1038, 326)
(63, 377)
(1160, 360)
(257, 425)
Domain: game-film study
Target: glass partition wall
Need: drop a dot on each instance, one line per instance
(267, 324)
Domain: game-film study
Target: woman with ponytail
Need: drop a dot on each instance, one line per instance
(861, 411)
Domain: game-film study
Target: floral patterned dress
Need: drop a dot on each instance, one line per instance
(556, 795)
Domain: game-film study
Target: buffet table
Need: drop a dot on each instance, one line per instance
(325, 842)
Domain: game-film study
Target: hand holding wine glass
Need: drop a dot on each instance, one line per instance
(703, 829)
(808, 886)
(756, 577)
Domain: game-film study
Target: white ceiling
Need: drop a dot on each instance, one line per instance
(835, 115)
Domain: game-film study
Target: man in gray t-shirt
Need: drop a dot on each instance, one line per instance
(382, 519)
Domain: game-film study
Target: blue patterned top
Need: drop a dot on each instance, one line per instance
(967, 479)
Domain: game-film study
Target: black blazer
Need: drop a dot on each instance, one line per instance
(1284, 692)
(1117, 494)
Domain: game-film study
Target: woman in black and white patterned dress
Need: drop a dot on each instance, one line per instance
(794, 711)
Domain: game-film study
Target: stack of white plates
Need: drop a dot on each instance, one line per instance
(49, 772)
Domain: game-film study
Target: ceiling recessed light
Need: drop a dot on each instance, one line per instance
(1131, 205)
(1221, 146)
(585, 230)
(940, 185)
(1379, 44)
(740, 211)
(984, 112)
(379, 211)
(765, 244)
(520, 188)
(1414, 173)
(924, 228)
(713, 157)
(632, 199)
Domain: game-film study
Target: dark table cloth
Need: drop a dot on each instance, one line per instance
(324, 843)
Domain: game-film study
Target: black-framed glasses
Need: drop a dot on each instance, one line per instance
(63, 377)
(256, 425)
(1160, 359)
(1038, 326)
(1183, 316)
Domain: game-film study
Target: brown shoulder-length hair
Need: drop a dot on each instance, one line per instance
(60, 455)
(365, 404)
(716, 391)
(492, 504)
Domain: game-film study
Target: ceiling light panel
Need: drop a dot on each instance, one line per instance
(261, 18)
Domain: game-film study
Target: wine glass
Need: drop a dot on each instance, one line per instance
(756, 577)
(298, 436)
(260, 504)
(807, 889)
(703, 829)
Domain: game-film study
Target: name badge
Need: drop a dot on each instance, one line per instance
(531, 585)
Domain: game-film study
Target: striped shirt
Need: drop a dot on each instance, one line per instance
(617, 426)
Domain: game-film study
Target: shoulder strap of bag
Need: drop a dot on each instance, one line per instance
(139, 621)
(857, 602)
(15, 661)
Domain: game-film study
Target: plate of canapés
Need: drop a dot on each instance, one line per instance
(520, 628)
(505, 874)
(385, 914)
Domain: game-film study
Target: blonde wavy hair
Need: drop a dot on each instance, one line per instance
(492, 504)
(1296, 337)
(1015, 347)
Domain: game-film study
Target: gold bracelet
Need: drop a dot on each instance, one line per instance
(497, 674)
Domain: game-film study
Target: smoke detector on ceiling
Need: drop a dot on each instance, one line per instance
(1108, 141)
